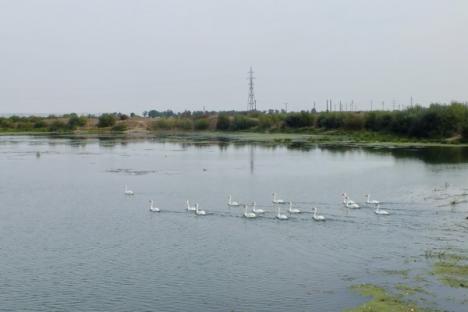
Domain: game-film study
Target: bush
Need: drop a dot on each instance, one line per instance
(56, 126)
(5, 123)
(266, 122)
(354, 121)
(201, 124)
(120, 127)
(161, 124)
(464, 133)
(184, 124)
(74, 121)
(331, 120)
(40, 124)
(299, 120)
(243, 123)
(223, 122)
(106, 120)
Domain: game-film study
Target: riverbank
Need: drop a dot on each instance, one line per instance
(293, 139)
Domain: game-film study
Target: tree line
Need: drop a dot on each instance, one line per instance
(434, 122)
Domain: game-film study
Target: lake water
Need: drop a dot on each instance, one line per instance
(71, 240)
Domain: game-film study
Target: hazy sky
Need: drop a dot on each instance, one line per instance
(132, 55)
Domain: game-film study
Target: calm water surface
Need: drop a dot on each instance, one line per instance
(71, 240)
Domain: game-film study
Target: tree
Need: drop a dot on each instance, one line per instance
(201, 124)
(106, 120)
(223, 122)
(74, 121)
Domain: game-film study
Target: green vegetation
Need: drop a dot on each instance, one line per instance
(442, 124)
(120, 127)
(106, 120)
(451, 273)
(381, 301)
(407, 290)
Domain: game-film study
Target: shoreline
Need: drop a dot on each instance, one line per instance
(275, 138)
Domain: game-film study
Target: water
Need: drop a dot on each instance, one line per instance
(71, 240)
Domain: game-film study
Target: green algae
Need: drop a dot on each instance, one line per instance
(381, 301)
(451, 273)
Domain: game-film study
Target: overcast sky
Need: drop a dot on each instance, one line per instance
(132, 55)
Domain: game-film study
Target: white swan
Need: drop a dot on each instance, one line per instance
(247, 214)
(280, 216)
(127, 191)
(199, 212)
(190, 208)
(152, 208)
(381, 211)
(318, 217)
(277, 200)
(348, 202)
(293, 210)
(232, 203)
(257, 210)
(371, 202)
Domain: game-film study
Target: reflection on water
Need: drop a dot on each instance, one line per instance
(70, 239)
(430, 155)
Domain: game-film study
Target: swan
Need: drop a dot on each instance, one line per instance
(199, 212)
(277, 200)
(190, 208)
(380, 211)
(232, 203)
(257, 210)
(373, 201)
(280, 216)
(127, 191)
(293, 210)
(352, 205)
(152, 208)
(249, 215)
(318, 217)
(348, 202)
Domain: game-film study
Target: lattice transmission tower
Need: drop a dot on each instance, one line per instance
(252, 102)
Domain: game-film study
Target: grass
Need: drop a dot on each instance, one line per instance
(381, 301)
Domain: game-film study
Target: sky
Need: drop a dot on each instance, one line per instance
(93, 56)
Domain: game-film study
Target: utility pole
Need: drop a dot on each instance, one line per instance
(371, 105)
(252, 102)
(286, 107)
(411, 101)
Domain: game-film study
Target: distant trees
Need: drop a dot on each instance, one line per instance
(223, 122)
(106, 120)
(201, 124)
(75, 121)
(434, 122)
(299, 120)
